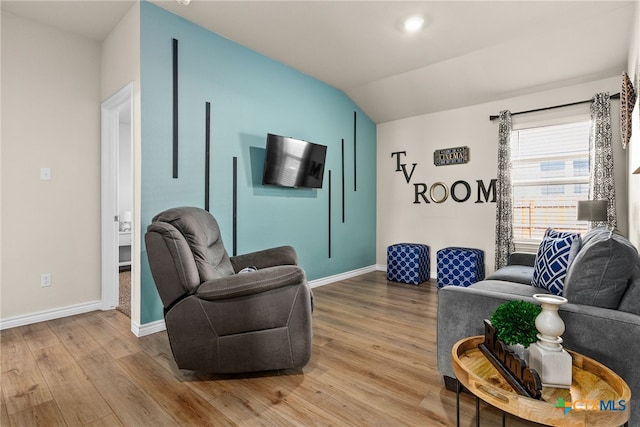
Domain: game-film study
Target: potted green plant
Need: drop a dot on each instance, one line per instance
(515, 324)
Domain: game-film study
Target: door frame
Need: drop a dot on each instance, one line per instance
(110, 137)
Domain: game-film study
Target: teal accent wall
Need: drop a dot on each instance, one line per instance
(250, 95)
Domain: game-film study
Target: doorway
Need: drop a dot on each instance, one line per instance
(117, 195)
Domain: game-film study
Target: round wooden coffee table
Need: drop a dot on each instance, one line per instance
(597, 397)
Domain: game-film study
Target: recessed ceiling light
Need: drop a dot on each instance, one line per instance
(184, 2)
(413, 24)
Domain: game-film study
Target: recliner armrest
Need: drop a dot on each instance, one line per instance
(283, 255)
(250, 283)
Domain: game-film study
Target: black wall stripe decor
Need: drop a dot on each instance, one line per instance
(329, 214)
(175, 108)
(343, 180)
(235, 206)
(207, 154)
(355, 151)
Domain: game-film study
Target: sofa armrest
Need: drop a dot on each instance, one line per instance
(283, 255)
(255, 282)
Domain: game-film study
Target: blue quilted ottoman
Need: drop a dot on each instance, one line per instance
(460, 266)
(408, 263)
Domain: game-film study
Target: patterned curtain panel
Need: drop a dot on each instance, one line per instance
(504, 197)
(601, 183)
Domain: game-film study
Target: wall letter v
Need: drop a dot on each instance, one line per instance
(404, 171)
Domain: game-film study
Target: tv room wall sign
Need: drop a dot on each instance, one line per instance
(451, 156)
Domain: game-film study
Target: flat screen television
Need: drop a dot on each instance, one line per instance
(291, 162)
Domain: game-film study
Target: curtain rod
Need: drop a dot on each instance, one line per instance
(614, 96)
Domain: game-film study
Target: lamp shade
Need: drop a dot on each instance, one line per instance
(592, 210)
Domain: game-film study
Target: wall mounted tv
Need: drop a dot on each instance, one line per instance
(291, 162)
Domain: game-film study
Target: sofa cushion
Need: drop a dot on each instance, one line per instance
(631, 299)
(522, 258)
(552, 260)
(507, 288)
(601, 272)
(513, 273)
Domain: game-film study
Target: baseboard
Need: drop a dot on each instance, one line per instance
(383, 267)
(148, 328)
(341, 276)
(43, 316)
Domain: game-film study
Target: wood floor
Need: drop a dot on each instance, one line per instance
(373, 364)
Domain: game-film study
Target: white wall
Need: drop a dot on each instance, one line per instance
(51, 118)
(121, 55)
(120, 66)
(464, 224)
(634, 145)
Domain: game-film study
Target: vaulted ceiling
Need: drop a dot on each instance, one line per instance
(469, 52)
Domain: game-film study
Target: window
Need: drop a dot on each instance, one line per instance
(549, 173)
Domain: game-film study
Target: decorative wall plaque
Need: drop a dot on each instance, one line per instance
(451, 156)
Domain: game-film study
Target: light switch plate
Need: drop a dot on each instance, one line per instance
(45, 174)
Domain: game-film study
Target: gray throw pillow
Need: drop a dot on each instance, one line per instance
(600, 273)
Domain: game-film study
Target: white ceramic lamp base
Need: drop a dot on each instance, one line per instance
(553, 366)
(547, 356)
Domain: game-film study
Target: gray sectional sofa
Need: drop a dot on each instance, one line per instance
(602, 317)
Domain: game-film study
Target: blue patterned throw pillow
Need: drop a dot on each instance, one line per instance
(552, 260)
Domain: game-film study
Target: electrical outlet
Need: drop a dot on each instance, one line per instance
(45, 280)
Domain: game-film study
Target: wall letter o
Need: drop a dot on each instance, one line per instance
(453, 191)
(444, 187)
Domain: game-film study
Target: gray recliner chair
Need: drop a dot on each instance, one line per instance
(218, 319)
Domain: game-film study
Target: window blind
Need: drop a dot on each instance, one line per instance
(549, 173)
